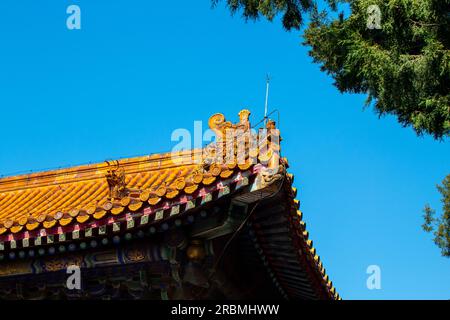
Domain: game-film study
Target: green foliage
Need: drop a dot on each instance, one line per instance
(428, 217)
(440, 226)
(290, 9)
(404, 67)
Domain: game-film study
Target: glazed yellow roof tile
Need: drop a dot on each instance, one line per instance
(66, 195)
(78, 192)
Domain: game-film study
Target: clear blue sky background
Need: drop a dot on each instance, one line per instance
(137, 70)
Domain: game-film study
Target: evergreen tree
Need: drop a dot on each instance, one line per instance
(291, 10)
(397, 52)
(440, 226)
(402, 64)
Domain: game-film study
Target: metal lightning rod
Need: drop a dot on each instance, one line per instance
(267, 98)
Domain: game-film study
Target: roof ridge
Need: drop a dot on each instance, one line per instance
(98, 170)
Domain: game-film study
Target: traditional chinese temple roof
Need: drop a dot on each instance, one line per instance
(67, 207)
(81, 194)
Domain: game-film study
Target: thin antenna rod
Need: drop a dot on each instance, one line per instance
(267, 98)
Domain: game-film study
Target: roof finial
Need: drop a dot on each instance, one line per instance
(116, 180)
(243, 118)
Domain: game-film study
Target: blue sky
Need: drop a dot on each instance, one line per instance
(137, 70)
